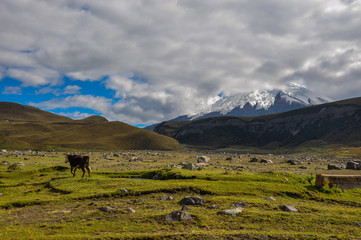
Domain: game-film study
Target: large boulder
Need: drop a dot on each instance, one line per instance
(192, 200)
(353, 165)
(178, 216)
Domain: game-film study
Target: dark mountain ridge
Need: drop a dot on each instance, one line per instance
(336, 122)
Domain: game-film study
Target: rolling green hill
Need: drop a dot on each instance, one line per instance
(24, 127)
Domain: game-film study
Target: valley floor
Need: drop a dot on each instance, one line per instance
(131, 192)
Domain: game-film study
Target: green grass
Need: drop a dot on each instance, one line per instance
(43, 200)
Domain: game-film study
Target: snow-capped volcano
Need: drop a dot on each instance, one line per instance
(259, 103)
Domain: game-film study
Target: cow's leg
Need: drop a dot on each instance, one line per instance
(88, 169)
(82, 168)
(74, 171)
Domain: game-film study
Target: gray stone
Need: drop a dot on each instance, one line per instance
(239, 204)
(288, 208)
(271, 199)
(166, 198)
(213, 207)
(353, 165)
(335, 166)
(124, 190)
(130, 210)
(189, 166)
(178, 216)
(254, 160)
(192, 200)
(203, 159)
(185, 207)
(266, 161)
(106, 209)
(294, 162)
(5, 163)
(233, 212)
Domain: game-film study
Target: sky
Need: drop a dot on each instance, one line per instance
(146, 61)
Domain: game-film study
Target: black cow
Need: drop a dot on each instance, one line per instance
(78, 161)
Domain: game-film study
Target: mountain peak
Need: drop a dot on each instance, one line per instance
(262, 102)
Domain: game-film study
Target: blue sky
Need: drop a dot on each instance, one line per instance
(13, 91)
(143, 62)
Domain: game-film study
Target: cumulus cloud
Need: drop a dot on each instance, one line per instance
(100, 104)
(186, 52)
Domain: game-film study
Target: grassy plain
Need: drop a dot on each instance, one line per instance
(42, 200)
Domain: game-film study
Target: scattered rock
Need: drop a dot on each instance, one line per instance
(203, 159)
(192, 200)
(213, 207)
(124, 190)
(4, 151)
(239, 204)
(185, 207)
(335, 166)
(189, 166)
(14, 167)
(26, 158)
(178, 216)
(166, 198)
(353, 165)
(303, 167)
(266, 161)
(106, 209)
(5, 163)
(232, 212)
(20, 164)
(288, 208)
(130, 210)
(254, 160)
(271, 199)
(116, 155)
(294, 162)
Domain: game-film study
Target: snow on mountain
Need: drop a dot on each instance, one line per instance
(258, 103)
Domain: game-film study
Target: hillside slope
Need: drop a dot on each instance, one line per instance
(17, 112)
(23, 127)
(337, 122)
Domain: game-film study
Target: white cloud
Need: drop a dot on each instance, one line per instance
(12, 90)
(75, 115)
(187, 52)
(100, 104)
(71, 90)
(34, 77)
